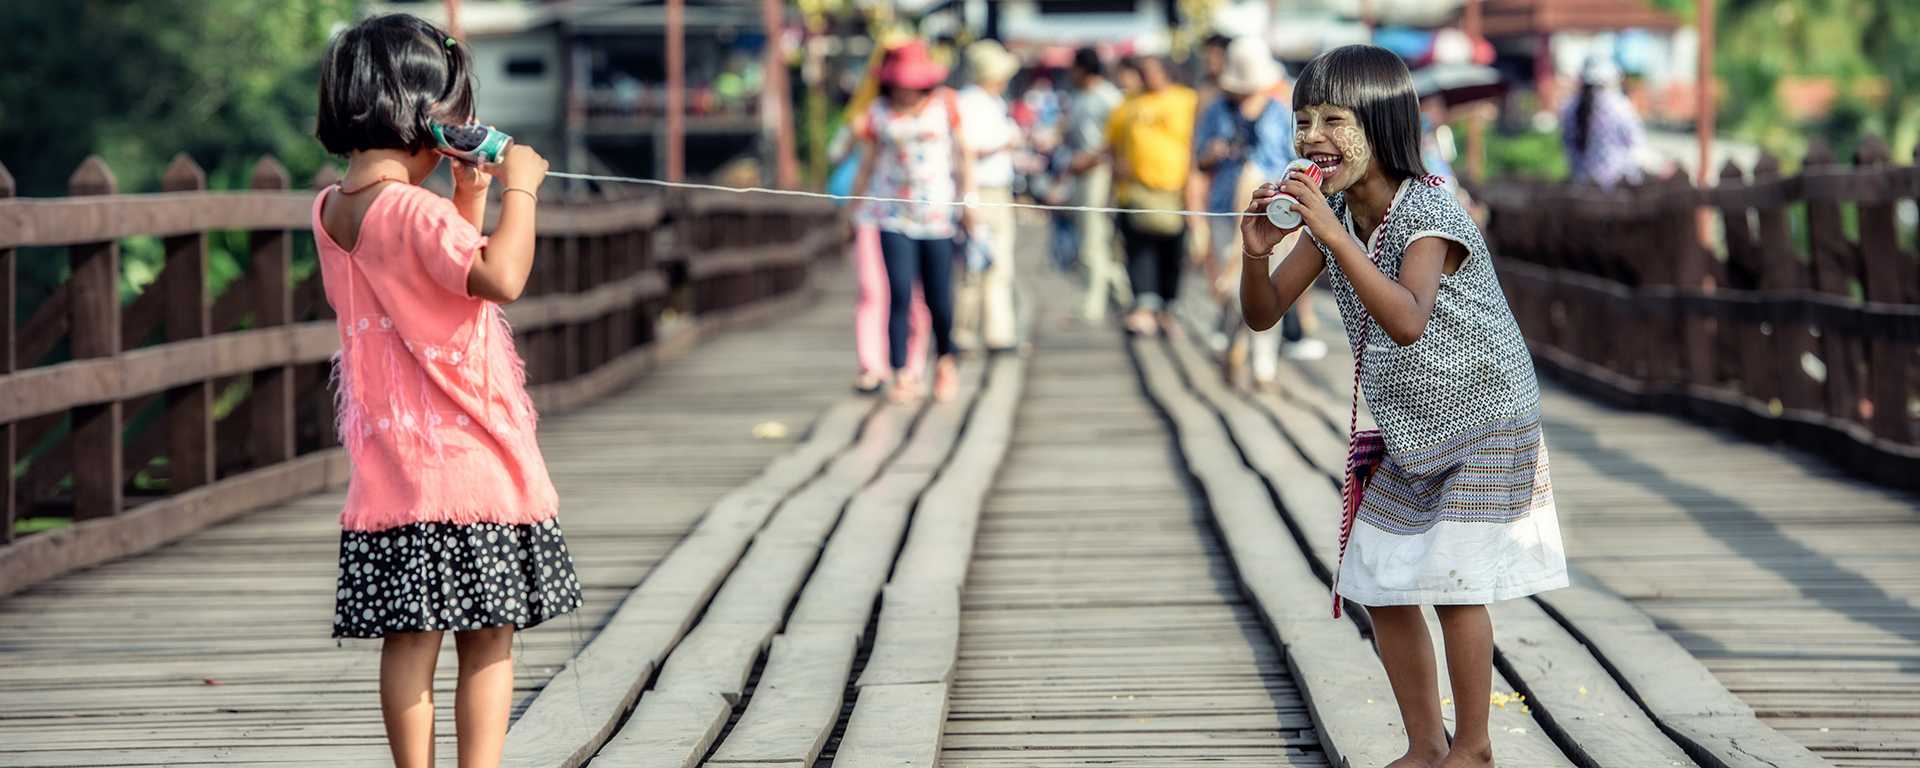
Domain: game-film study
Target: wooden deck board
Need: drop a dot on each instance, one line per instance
(1100, 621)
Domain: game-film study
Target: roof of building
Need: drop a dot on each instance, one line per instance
(1513, 18)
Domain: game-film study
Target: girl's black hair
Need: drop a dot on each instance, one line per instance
(386, 79)
(1375, 84)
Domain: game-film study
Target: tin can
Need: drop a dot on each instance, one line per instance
(473, 144)
(1280, 211)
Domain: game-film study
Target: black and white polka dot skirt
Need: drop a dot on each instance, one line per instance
(448, 577)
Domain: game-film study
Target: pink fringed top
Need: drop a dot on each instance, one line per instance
(430, 396)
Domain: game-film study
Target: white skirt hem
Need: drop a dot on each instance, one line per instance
(1454, 596)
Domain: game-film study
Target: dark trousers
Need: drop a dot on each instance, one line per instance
(1154, 264)
(931, 263)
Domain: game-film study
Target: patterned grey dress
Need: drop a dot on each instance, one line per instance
(1461, 510)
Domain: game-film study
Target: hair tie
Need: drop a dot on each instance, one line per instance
(451, 42)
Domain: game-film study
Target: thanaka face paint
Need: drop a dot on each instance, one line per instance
(1332, 138)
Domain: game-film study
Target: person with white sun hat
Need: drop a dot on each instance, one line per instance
(1243, 139)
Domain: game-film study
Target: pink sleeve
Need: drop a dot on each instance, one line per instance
(445, 243)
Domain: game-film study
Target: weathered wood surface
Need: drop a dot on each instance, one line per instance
(1341, 681)
(1100, 621)
(216, 649)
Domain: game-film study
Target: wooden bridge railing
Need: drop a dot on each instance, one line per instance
(1803, 328)
(141, 419)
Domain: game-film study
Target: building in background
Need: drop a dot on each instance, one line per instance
(586, 80)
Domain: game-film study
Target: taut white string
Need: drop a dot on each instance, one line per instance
(873, 199)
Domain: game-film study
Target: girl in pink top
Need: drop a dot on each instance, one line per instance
(449, 522)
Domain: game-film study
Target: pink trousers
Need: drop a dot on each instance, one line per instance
(870, 310)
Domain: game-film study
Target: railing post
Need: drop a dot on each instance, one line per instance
(572, 351)
(1744, 260)
(8, 277)
(536, 346)
(1834, 268)
(190, 458)
(1888, 277)
(94, 322)
(272, 399)
(594, 273)
(1782, 271)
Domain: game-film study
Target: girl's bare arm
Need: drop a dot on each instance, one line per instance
(1264, 300)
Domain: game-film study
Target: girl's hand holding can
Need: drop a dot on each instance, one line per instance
(523, 168)
(1258, 235)
(1310, 204)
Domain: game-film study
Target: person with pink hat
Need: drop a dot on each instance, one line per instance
(911, 154)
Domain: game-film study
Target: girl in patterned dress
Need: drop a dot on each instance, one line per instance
(449, 520)
(1458, 512)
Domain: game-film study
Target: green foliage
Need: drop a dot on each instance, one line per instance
(1529, 154)
(1863, 47)
(225, 81)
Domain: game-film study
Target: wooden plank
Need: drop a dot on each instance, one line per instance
(919, 637)
(1328, 659)
(42, 556)
(797, 701)
(1714, 726)
(940, 542)
(866, 542)
(1571, 693)
(572, 717)
(895, 726)
(718, 655)
(1100, 624)
(667, 730)
(79, 219)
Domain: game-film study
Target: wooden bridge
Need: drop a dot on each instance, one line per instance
(1101, 553)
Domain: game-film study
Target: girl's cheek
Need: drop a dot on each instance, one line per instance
(1351, 141)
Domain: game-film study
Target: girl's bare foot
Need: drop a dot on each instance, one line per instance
(1420, 758)
(869, 383)
(1463, 756)
(946, 379)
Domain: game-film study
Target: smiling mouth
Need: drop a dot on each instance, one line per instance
(1329, 163)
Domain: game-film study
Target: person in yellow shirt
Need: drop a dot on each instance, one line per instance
(1151, 137)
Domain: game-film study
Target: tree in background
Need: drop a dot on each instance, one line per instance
(1850, 58)
(225, 81)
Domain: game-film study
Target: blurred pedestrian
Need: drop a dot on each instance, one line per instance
(1600, 130)
(1245, 139)
(870, 276)
(911, 153)
(1093, 102)
(1126, 75)
(1151, 138)
(983, 311)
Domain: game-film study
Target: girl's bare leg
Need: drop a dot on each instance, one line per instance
(484, 699)
(406, 696)
(1406, 650)
(1469, 634)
